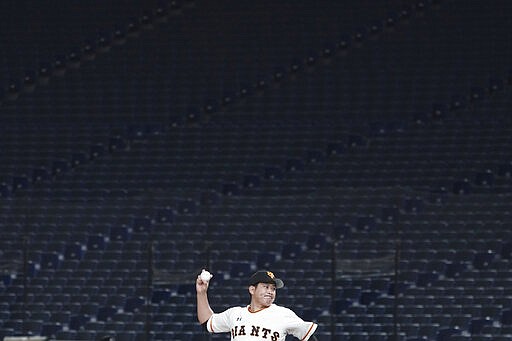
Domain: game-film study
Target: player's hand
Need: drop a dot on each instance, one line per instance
(201, 286)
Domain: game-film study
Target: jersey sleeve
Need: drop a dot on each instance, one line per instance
(298, 327)
(221, 322)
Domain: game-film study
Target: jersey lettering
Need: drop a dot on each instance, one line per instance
(255, 331)
(265, 332)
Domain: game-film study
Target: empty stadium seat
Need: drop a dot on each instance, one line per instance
(339, 148)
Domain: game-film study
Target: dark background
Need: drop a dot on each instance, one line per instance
(360, 150)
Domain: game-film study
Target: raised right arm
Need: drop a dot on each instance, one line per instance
(204, 311)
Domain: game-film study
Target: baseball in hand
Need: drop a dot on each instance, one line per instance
(205, 276)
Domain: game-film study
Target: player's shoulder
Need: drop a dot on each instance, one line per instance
(236, 309)
(282, 310)
(232, 311)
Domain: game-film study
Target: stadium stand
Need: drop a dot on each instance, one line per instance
(360, 150)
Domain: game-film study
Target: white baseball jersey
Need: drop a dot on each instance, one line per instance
(269, 324)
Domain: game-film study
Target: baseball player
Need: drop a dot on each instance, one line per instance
(260, 320)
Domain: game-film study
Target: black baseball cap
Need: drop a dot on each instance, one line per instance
(264, 276)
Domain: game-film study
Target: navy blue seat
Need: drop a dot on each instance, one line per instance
(164, 215)
(141, 225)
(77, 321)
(265, 260)
(316, 242)
(240, 269)
(125, 336)
(445, 333)
(483, 259)
(506, 250)
(105, 313)
(291, 251)
(119, 233)
(13, 324)
(96, 242)
(506, 317)
(50, 261)
(85, 335)
(32, 327)
(368, 297)
(134, 304)
(65, 335)
(50, 330)
(160, 296)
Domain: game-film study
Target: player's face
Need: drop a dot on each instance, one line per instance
(263, 294)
